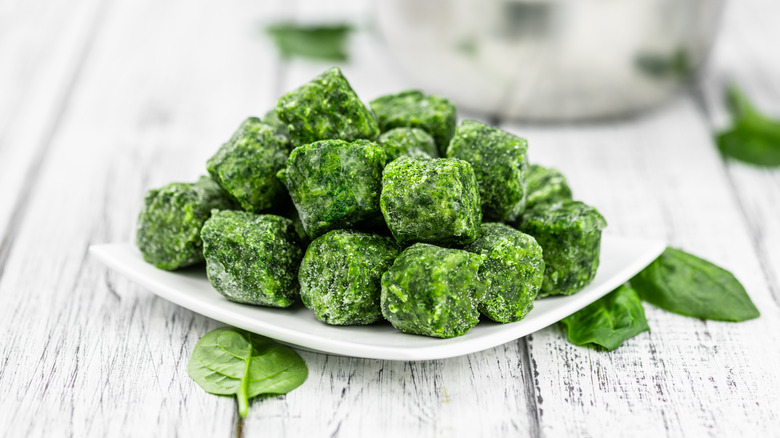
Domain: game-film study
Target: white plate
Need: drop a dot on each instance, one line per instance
(621, 258)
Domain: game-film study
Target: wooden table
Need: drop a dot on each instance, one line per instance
(101, 100)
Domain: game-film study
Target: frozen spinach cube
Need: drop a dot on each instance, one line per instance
(252, 258)
(168, 229)
(326, 108)
(431, 200)
(247, 164)
(545, 185)
(288, 210)
(570, 235)
(272, 119)
(334, 184)
(412, 142)
(433, 291)
(500, 164)
(341, 275)
(514, 265)
(412, 109)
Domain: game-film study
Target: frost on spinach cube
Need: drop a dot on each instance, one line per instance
(288, 210)
(500, 164)
(168, 229)
(334, 184)
(247, 164)
(272, 119)
(412, 109)
(433, 291)
(412, 142)
(545, 185)
(326, 108)
(570, 235)
(514, 265)
(341, 273)
(431, 200)
(252, 258)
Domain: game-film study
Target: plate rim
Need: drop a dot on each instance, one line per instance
(447, 348)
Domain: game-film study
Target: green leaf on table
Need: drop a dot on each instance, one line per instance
(230, 361)
(656, 65)
(753, 137)
(609, 321)
(327, 43)
(683, 283)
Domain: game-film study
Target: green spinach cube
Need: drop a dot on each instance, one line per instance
(334, 184)
(570, 235)
(514, 265)
(272, 119)
(168, 229)
(252, 258)
(433, 291)
(341, 273)
(545, 185)
(431, 200)
(412, 142)
(326, 108)
(500, 164)
(412, 109)
(247, 164)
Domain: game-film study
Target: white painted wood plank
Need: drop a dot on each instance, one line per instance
(747, 55)
(659, 176)
(86, 353)
(475, 395)
(42, 48)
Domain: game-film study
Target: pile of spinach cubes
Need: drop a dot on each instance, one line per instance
(389, 211)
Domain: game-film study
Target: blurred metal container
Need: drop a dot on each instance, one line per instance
(551, 59)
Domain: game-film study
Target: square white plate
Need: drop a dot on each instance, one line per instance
(621, 258)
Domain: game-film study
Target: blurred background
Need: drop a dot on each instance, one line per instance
(550, 59)
(531, 60)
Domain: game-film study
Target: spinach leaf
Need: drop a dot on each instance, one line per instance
(326, 43)
(609, 321)
(656, 65)
(229, 361)
(753, 138)
(683, 283)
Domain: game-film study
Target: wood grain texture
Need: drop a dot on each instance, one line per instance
(474, 395)
(686, 377)
(746, 55)
(86, 353)
(43, 46)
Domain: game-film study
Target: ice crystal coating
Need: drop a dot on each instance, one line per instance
(252, 258)
(272, 119)
(500, 164)
(433, 291)
(431, 200)
(247, 164)
(334, 184)
(514, 265)
(570, 235)
(412, 109)
(168, 229)
(326, 108)
(341, 273)
(545, 185)
(411, 142)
